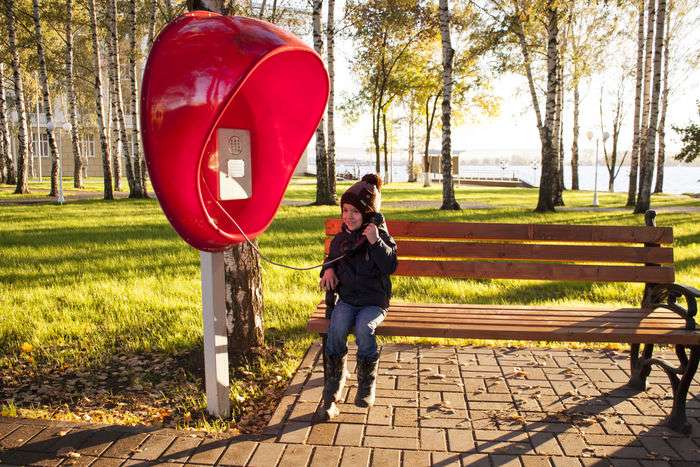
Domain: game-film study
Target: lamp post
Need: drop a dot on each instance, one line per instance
(606, 135)
(589, 135)
(504, 167)
(535, 165)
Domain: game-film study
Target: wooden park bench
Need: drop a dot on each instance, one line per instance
(551, 253)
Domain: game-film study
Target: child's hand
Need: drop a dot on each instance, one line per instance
(372, 234)
(329, 281)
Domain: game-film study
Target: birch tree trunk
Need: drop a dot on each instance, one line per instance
(10, 176)
(646, 95)
(611, 160)
(661, 157)
(32, 148)
(387, 175)
(46, 97)
(448, 192)
(330, 64)
(636, 122)
(139, 162)
(78, 161)
(115, 68)
(429, 119)
(151, 37)
(322, 179)
(244, 299)
(3, 144)
(575, 136)
(112, 122)
(561, 187)
(152, 4)
(4, 148)
(558, 188)
(3, 151)
(22, 186)
(170, 12)
(115, 144)
(527, 62)
(647, 173)
(544, 202)
(106, 158)
(375, 137)
(412, 141)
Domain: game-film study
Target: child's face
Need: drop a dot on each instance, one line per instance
(352, 217)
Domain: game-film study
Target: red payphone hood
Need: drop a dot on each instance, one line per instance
(208, 71)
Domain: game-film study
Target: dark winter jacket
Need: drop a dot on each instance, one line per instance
(363, 276)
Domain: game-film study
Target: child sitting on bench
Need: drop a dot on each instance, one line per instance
(361, 279)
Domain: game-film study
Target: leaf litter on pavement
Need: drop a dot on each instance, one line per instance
(148, 388)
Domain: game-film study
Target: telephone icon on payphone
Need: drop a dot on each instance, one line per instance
(235, 171)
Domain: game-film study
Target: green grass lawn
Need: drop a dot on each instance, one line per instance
(100, 308)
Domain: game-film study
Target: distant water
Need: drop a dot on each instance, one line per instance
(677, 179)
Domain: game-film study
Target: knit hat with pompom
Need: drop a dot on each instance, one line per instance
(365, 195)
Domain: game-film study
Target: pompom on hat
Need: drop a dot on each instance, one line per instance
(364, 195)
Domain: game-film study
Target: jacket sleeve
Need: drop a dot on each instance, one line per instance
(333, 253)
(383, 253)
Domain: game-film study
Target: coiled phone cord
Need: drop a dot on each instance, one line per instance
(265, 258)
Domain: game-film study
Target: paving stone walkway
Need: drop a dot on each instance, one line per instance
(445, 406)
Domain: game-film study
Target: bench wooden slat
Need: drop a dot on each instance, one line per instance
(529, 308)
(616, 317)
(622, 319)
(511, 251)
(559, 334)
(601, 254)
(442, 308)
(624, 325)
(527, 232)
(419, 321)
(536, 271)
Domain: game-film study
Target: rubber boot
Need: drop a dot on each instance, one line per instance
(336, 373)
(366, 381)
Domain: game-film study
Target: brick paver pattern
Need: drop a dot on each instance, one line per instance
(446, 406)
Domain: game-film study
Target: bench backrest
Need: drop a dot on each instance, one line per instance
(530, 251)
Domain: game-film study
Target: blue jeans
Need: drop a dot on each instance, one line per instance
(365, 319)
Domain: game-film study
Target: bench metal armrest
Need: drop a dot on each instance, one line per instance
(666, 296)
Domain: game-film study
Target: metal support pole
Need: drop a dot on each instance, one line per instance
(215, 337)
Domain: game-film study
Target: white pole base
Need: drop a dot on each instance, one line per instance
(215, 337)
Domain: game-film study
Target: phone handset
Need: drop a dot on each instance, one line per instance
(235, 168)
(376, 219)
(331, 296)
